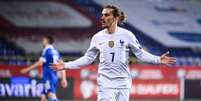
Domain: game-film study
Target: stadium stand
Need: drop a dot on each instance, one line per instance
(9, 49)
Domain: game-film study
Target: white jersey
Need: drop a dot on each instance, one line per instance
(114, 50)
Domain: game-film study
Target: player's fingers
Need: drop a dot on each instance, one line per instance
(166, 53)
(54, 69)
(171, 62)
(54, 65)
(61, 61)
(168, 64)
(171, 58)
(174, 60)
(57, 68)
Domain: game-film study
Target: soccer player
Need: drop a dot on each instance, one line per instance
(49, 55)
(113, 44)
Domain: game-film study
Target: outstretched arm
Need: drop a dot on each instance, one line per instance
(163, 59)
(145, 56)
(33, 66)
(87, 59)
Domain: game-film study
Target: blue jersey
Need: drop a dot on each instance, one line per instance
(49, 55)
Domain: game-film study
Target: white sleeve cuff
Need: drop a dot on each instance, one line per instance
(66, 65)
(42, 59)
(158, 60)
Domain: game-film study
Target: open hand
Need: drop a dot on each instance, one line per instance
(58, 66)
(23, 71)
(64, 83)
(167, 60)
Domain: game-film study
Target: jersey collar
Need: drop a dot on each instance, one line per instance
(115, 32)
(49, 46)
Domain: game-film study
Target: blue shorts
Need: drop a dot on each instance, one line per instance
(49, 86)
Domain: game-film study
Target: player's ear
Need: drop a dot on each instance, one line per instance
(117, 18)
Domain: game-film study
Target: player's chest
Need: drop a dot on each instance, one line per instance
(112, 43)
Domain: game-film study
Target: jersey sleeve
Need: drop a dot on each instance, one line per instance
(55, 56)
(87, 59)
(43, 57)
(140, 53)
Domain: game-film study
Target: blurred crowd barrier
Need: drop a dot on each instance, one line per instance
(148, 82)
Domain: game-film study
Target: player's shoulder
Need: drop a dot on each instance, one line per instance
(125, 32)
(52, 50)
(48, 51)
(99, 34)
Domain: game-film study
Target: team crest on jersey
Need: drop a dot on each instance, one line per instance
(111, 44)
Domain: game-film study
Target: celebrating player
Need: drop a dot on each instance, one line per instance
(113, 43)
(49, 55)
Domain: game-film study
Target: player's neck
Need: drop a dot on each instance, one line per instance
(46, 46)
(112, 29)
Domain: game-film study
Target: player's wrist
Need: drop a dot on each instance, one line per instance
(158, 60)
(66, 65)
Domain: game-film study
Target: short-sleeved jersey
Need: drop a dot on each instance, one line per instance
(49, 55)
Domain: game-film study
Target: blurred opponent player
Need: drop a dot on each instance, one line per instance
(49, 55)
(113, 43)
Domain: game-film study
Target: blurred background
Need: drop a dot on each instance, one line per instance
(159, 25)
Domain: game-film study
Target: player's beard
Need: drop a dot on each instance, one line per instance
(108, 25)
(105, 27)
